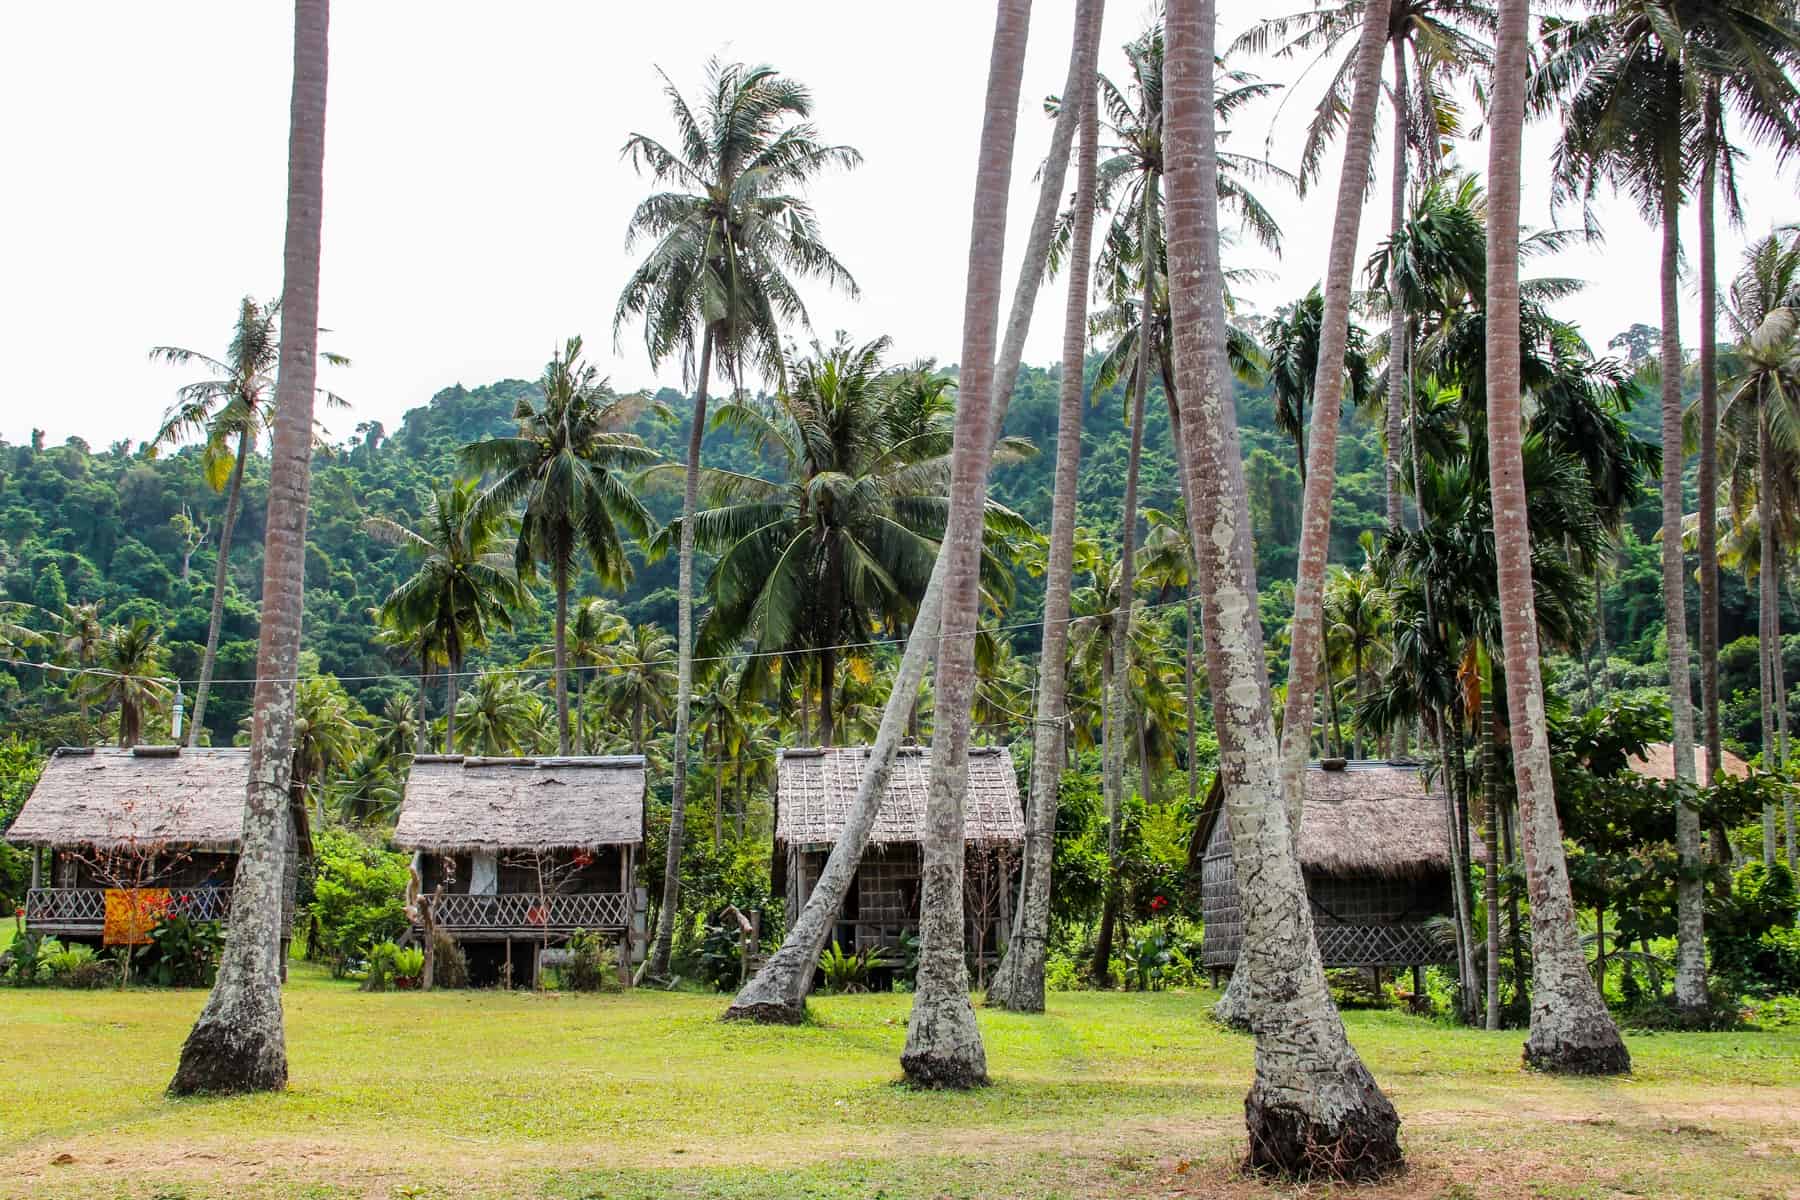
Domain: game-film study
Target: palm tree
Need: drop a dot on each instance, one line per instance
(777, 992)
(565, 470)
(1570, 1027)
(1441, 39)
(230, 410)
(843, 541)
(464, 585)
(1314, 1108)
(238, 1044)
(636, 683)
(731, 242)
(77, 641)
(595, 626)
(1290, 343)
(395, 732)
(499, 716)
(126, 672)
(1355, 615)
(1633, 83)
(1760, 424)
(326, 738)
(943, 1042)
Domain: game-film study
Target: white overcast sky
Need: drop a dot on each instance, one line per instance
(475, 200)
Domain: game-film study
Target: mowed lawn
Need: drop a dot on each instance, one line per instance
(459, 1094)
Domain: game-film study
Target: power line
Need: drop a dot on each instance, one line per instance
(580, 669)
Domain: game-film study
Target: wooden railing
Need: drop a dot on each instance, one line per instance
(75, 910)
(528, 912)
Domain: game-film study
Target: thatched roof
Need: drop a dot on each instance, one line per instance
(456, 804)
(190, 797)
(1658, 762)
(815, 789)
(1367, 819)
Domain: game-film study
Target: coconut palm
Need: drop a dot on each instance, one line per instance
(842, 542)
(229, 410)
(731, 241)
(1570, 1027)
(1018, 983)
(1760, 426)
(1632, 82)
(636, 682)
(238, 1043)
(395, 732)
(1435, 45)
(126, 673)
(464, 586)
(565, 470)
(499, 716)
(77, 640)
(1313, 1106)
(1355, 617)
(595, 625)
(1290, 367)
(778, 991)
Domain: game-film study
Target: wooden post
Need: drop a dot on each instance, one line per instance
(37, 854)
(1418, 981)
(506, 975)
(630, 913)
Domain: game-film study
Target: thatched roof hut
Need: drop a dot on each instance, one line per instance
(151, 819)
(1375, 851)
(1658, 762)
(457, 804)
(816, 787)
(104, 799)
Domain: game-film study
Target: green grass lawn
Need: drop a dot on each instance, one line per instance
(459, 1094)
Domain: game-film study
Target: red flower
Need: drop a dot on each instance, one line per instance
(1158, 903)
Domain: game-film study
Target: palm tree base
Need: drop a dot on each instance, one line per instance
(951, 1072)
(1017, 987)
(243, 1051)
(1232, 1009)
(1588, 1048)
(1358, 1142)
(771, 1012)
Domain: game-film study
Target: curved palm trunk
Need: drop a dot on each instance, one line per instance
(1320, 459)
(421, 723)
(221, 576)
(1313, 1109)
(1396, 381)
(658, 961)
(238, 1044)
(1570, 1028)
(943, 1043)
(777, 993)
(1018, 984)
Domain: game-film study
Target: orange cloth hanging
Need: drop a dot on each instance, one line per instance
(131, 913)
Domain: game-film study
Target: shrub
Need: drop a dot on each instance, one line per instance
(1061, 974)
(358, 898)
(718, 959)
(76, 966)
(1722, 1013)
(392, 966)
(23, 964)
(849, 972)
(1755, 949)
(592, 965)
(182, 952)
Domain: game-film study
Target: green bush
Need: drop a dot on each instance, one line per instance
(449, 965)
(846, 972)
(593, 966)
(23, 963)
(358, 898)
(182, 952)
(392, 966)
(1754, 947)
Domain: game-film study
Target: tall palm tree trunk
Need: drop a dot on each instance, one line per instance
(1709, 449)
(1328, 394)
(1396, 380)
(1490, 842)
(1018, 983)
(658, 962)
(1570, 1028)
(778, 992)
(1313, 1108)
(827, 689)
(943, 1043)
(560, 667)
(1690, 946)
(452, 684)
(1768, 621)
(238, 1044)
(421, 732)
(221, 577)
(1319, 458)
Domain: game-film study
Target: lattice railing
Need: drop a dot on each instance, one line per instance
(1398, 945)
(71, 907)
(530, 911)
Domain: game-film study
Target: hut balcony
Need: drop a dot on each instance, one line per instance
(527, 914)
(81, 911)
